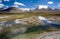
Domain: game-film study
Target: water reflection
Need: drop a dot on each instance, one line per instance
(48, 22)
(17, 22)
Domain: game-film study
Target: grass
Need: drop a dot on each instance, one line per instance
(33, 33)
(25, 15)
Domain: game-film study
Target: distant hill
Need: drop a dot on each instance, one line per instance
(12, 10)
(19, 10)
(46, 9)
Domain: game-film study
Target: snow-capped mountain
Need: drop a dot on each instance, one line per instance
(12, 10)
(45, 8)
(15, 10)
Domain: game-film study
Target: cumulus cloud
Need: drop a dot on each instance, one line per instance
(1, 5)
(50, 2)
(59, 5)
(43, 6)
(17, 3)
(15, 6)
(0, 1)
(6, 0)
(27, 9)
(6, 6)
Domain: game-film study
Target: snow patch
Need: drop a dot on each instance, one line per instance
(42, 6)
(44, 19)
(17, 21)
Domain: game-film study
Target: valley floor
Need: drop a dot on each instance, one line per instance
(32, 20)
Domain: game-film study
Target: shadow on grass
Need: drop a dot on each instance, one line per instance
(4, 33)
(39, 28)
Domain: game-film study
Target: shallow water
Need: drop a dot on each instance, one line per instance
(17, 22)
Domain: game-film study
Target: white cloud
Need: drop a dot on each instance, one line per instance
(15, 6)
(25, 9)
(0, 1)
(17, 3)
(1, 5)
(7, 6)
(59, 5)
(43, 6)
(6, 0)
(50, 2)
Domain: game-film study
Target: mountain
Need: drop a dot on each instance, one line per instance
(12, 10)
(57, 9)
(45, 9)
(19, 10)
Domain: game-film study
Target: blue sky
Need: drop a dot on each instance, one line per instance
(30, 3)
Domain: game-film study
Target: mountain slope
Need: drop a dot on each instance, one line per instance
(46, 9)
(12, 10)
